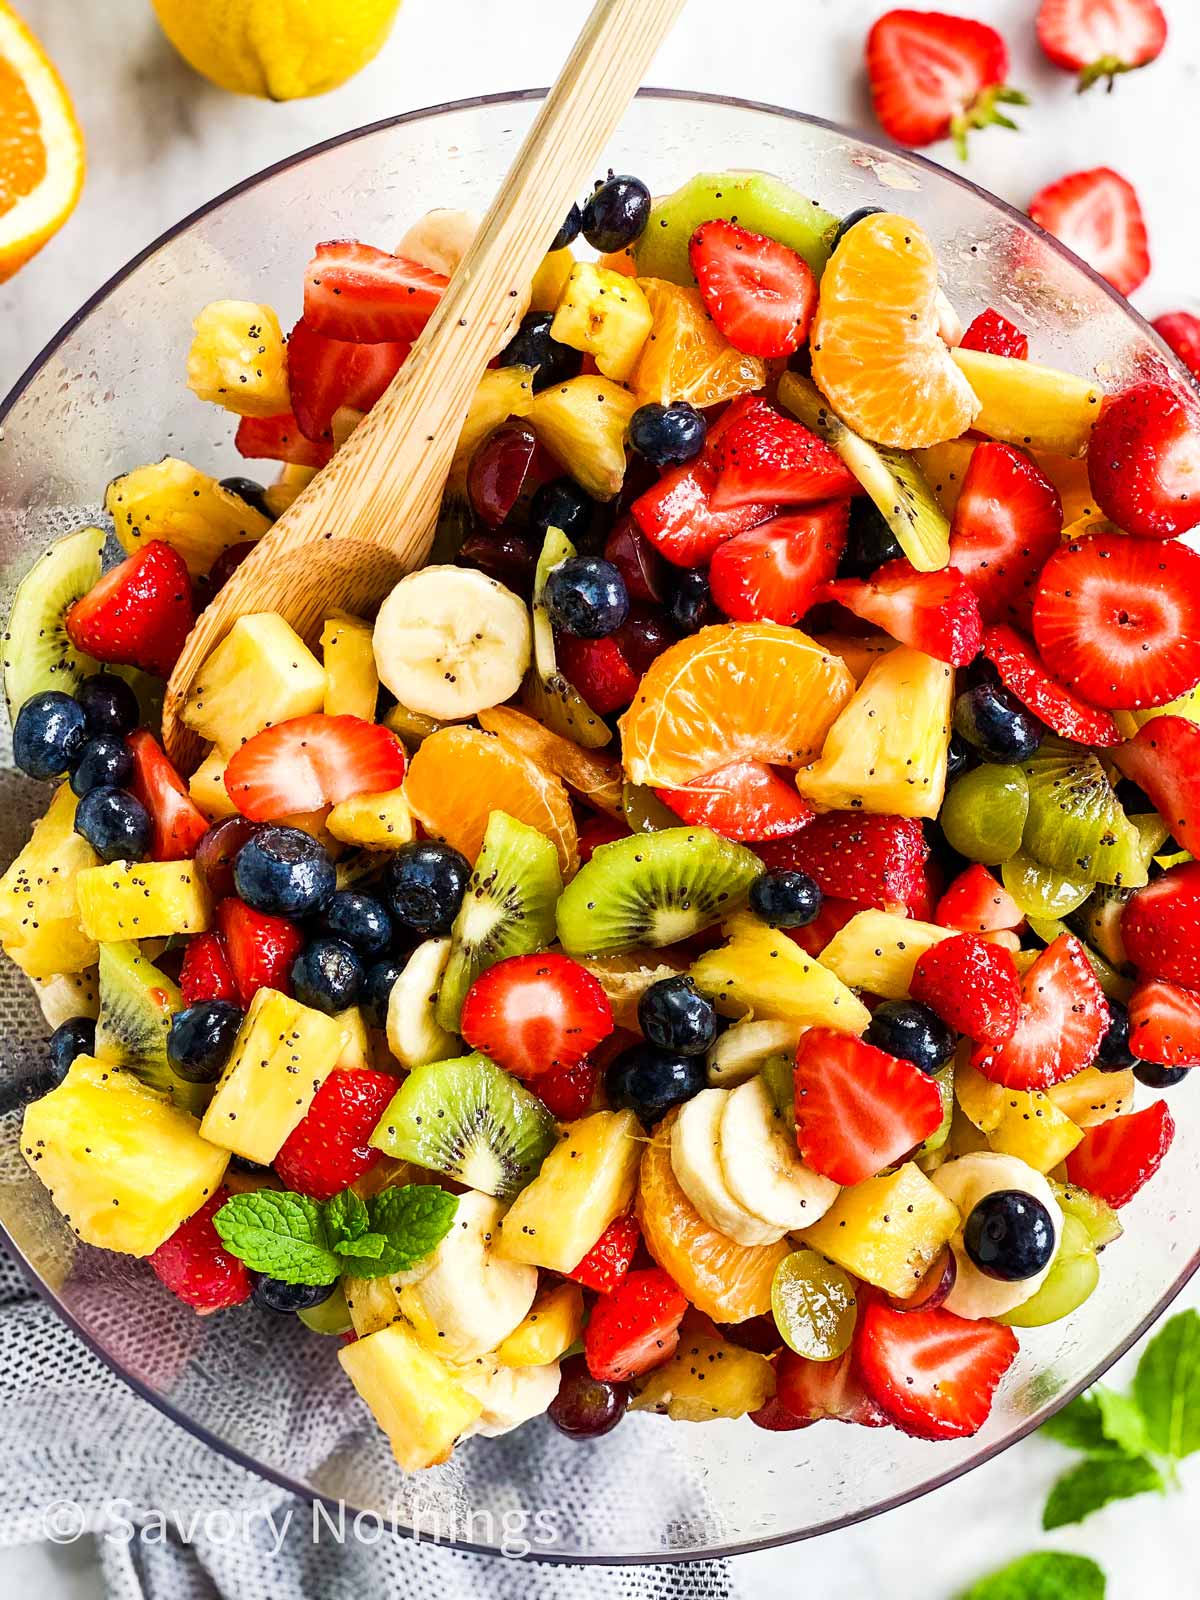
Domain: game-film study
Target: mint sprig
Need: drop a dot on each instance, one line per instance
(1047, 1575)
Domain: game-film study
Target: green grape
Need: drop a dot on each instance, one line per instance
(644, 811)
(1073, 1274)
(779, 1076)
(814, 1305)
(1152, 831)
(983, 814)
(1041, 891)
(1097, 1216)
(944, 1078)
(331, 1316)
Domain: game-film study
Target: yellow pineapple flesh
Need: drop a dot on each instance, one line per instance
(39, 919)
(373, 1303)
(584, 422)
(412, 1395)
(142, 900)
(1017, 1122)
(238, 359)
(877, 950)
(288, 487)
(944, 467)
(207, 787)
(374, 821)
(888, 1230)
(351, 681)
(604, 314)
(1035, 407)
(550, 280)
(503, 392)
(1092, 1096)
(261, 673)
(549, 1329)
(173, 501)
(706, 1379)
(860, 652)
(760, 972)
(68, 994)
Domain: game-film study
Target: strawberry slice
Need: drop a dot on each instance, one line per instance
(1115, 1158)
(598, 669)
(933, 1373)
(971, 985)
(1024, 675)
(936, 612)
(611, 1257)
(1118, 620)
(354, 291)
(1101, 38)
(1160, 927)
(1064, 1016)
(811, 1391)
(746, 800)
(139, 614)
(1180, 331)
(328, 1149)
(1007, 525)
(1144, 461)
(934, 76)
(179, 824)
(261, 948)
(767, 459)
(1164, 759)
(309, 762)
(324, 374)
(678, 517)
(536, 1013)
(206, 973)
(858, 1109)
(1164, 1024)
(1097, 214)
(761, 295)
(280, 439)
(832, 918)
(571, 1093)
(771, 573)
(876, 861)
(195, 1265)
(977, 902)
(995, 336)
(635, 1328)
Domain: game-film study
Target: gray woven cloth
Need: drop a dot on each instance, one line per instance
(176, 1521)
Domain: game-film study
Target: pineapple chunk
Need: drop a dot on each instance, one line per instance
(760, 972)
(414, 727)
(173, 501)
(878, 950)
(1036, 407)
(373, 1303)
(288, 487)
(123, 1165)
(887, 750)
(351, 681)
(68, 994)
(550, 280)
(550, 1328)
(412, 1395)
(343, 423)
(584, 422)
(944, 467)
(604, 314)
(1069, 475)
(1017, 1122)
(587, 1180)
(207, 787)
(888, 1230)
(503, 392)
(39, 917)
(1092, 1096)
(261, 673)
(282, 1055)
(356, 1041)
(375, 821)
(238, 359)
(142, 900)
(860, 652)
(706, 1378)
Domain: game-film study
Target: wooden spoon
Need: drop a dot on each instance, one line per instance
(369, 516)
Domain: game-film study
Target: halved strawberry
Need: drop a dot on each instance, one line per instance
(936, 612)
(309, 762)
(1118, 620)
(328, 1149)
(1098, 215)
(876, 861)
(971, 985)
(536, 1013)
(1180, 330)
(1164, 1023)
(767, 459)
(977, 902)
(1115, 1158)
(678, 518)
(179, 824)
(1160, 927)
(354, 291)
(858, 1109)
(1064, 1016)
(1163, 758)
(195, 1265)
(832, 918)
(995, 336)
(933, 1373)
(635, 1328)
(139, 614)
(747, 800)
(280, 439)
(1144, 460)
(1024, 675)
(770, 573)
(261, 948)
(325, 373)
(611, 1257)
(206, 973)
(598, 669)
(1100, 38)
(1006, 526)
(761, 295)
(812, 1391)
(571, 1093)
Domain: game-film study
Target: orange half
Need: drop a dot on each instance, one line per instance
(41, 147)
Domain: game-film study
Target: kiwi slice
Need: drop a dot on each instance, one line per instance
(1098, 923)
(1153, 833)
(38, 655)
(1098, 1217)
(754, 200)
(654, 889)
(508, 909)
(545, 692)
(137, 1002)
(1075, 822)
(469, 1120)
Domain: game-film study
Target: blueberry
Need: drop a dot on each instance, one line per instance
(358, 919)
(677, 1018)
(251, 492)
(569, 232)
(284, 872)
(957, 755)
(616, 214)
(586, 596)
(327, 975)
(785, 899)
(201, 1039)
(649, 1082)
(532, 346)
(103, 761)
(244, 1164)
(690, 603)
(667, 435)
(273, 1294)
(109, 705)
(1009, 1235)
(848, 221)
(377, 991)
(907, 1029)
(1113, 1053)
(561, 504)
(424, 884)
(997, 724)
(869, 541)
(1155, 1076)
(115, 823)
(48, 734)
(74, 1037)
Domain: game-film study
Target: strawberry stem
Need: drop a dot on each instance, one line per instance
(1106, 67)
(983, 112)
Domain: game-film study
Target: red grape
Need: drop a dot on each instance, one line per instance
(215, 853)
(585, 1407)
(498, 469)
(507, 557)
(638, 562)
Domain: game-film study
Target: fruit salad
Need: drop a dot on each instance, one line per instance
(720, 941)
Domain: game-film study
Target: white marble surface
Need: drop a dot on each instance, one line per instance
(162, 142)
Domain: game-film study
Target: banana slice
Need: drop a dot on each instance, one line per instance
(762, 1167)
(450, 641)
(439, 239)
(696, 1163)
(414, 1036)
(739, 1052)
(509, 1395)
(965, 1182)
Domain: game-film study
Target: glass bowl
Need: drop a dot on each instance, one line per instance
(108, 394)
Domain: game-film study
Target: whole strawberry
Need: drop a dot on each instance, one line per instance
(195, 1265)
(328, 1148)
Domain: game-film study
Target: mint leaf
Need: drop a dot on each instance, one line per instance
(412, 1221)
(1123, 1422)
(1167, 1387)
(1049, 1575)
(371, 1245)
(1079, 1426)
(1096, 1482)
(280, 1234)
(346, 1216)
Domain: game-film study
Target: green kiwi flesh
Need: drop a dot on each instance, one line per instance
(1075, 822)
(1098, 923)
(754, 200)
(137, 1002)
(38, 655)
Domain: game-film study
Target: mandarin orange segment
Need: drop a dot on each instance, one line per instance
(739, 691)
(729, 1282)
(876, 354)
(459, 776)
(596, 778)
(41, 147)
(684, 357)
